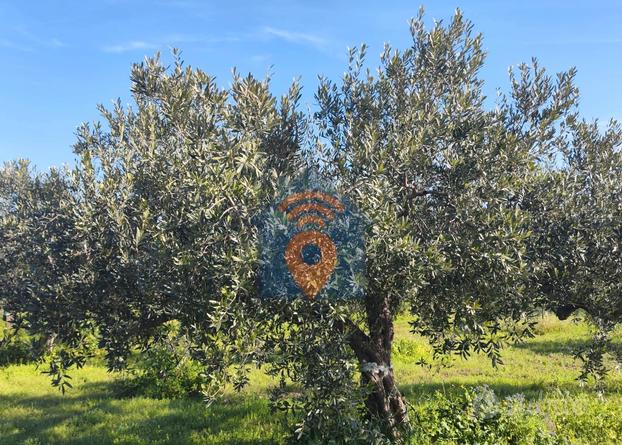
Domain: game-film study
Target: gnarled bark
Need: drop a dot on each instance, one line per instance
(373, 351)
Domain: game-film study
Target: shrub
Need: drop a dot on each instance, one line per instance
(164, 370)
(478, 417)
(16, 347)
(587, 419)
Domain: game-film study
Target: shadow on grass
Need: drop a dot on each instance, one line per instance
(563, 346)
(531, 391)
(546, 347)
(95, 417)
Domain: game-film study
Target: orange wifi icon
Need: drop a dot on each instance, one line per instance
(310, 255)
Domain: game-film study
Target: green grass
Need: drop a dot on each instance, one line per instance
(543, 369)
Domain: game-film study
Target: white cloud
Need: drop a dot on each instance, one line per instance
(4, 43)
(133, 45)
(27, 41)
(260, 58)
(296, 37)
(55, 43)
(199, 39)
(168, 41)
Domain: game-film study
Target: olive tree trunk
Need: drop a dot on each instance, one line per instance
(385, 402)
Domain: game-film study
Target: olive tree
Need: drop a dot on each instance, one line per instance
(38, 260)
(577, 233)
(441, 178)
(155, 223)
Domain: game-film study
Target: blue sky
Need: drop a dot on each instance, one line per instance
(60, 58)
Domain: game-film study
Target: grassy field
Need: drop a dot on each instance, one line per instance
(542, 369)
